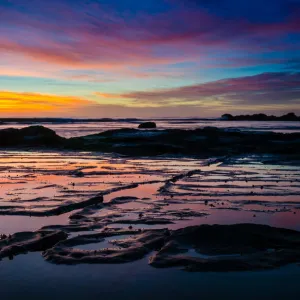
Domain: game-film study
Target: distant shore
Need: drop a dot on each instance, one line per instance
(260, 117)
(224, 117)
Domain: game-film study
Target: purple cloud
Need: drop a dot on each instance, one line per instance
(95, 37)
(265, 88)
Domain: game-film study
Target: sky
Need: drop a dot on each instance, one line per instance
(150, 58)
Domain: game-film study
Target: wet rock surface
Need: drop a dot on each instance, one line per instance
(239, 247)
(132, 249)
(62, 209)
(23, 242)
(123, 209)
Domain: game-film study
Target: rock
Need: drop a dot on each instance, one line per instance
(147, 125)
(204, 142)
(227, 117)
(145, 220)
(77, 173)
(3, 236)
(76, 216)
(23, 242)
(123, 199)
(36, 136)
(240, 247)
(128, 250)
(261, 117)
(97, 200)
(211, 129)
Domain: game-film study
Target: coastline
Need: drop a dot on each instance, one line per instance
(143, 200)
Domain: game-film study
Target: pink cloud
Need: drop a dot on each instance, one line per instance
(87, 41)
(266, 87)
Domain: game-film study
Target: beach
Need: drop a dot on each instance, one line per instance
(106, 218)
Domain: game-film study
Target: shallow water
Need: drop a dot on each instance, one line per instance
(36, 279)
(80, 129)
(227, 192)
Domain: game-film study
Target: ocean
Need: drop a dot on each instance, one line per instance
(74, 129)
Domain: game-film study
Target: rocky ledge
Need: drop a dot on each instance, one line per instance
(219, 248)
(33, 136)
(23, 242)
(209, 141)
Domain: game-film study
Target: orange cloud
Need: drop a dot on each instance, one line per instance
(107, 95)
(30, 104)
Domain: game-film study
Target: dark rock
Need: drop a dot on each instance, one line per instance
(77, 216)
(3, 236)
(261, 117)
(227, 117)
(34, 136)
(23, 242)
(206, 142)
(58, 210)
(123, 199)
(77, 173)
(210, 129)
(129, 250)
(147, 125)
(239, 247)
(145, 220)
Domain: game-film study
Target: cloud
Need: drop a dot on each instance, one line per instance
(12, 103)
(95, 37)
(235, 95)
(262, 89)
(115, 45)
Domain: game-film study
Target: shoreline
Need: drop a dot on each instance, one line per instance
(142, 201)
(204, 142)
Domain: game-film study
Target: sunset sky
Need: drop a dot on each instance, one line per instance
(144, 58)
